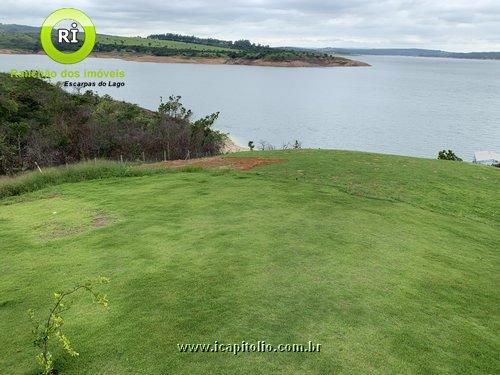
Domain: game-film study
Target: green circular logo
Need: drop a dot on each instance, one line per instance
(73, 15)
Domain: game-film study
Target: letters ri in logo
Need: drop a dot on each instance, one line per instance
(63, 34)
(68, 36)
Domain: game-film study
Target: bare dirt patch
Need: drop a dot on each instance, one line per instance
(242, 164)
(61, 232)
(101, 221)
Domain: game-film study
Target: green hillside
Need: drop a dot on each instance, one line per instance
(390, 263)
(155, 43)
(25, 39)
(13, 28)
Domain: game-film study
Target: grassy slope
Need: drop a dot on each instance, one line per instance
(24, 37)
(390, 263)
(137, 41)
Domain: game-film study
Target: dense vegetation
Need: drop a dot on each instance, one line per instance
(24, 42)
(390, 263)
(40, 124)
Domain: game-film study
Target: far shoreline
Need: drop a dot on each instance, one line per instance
(311, 63)
(332, 62)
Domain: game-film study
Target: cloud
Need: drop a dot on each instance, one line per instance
(456, 25)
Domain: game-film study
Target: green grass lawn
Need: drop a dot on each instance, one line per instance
(390, 263)
(138, 41)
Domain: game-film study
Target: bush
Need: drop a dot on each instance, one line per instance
(448, 155)
(49, 328)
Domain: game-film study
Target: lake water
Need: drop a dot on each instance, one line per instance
(400, 105)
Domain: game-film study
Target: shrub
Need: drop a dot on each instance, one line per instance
(51, 327)
(448, 155)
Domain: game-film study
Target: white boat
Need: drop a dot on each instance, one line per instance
(486, 157)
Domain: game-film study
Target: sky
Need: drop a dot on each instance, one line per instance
(452, 25)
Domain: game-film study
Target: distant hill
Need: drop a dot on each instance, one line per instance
(13, 28)
(177, 48)
(415, 52)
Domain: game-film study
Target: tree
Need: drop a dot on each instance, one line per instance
(174, 108)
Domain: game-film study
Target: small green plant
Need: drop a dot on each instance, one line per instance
(448, 155)
(251, 145)
(45, 330)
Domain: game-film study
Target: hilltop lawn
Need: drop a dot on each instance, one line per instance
(138, 41)
(390, 263)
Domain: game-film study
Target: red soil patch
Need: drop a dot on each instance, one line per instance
(242, 164)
